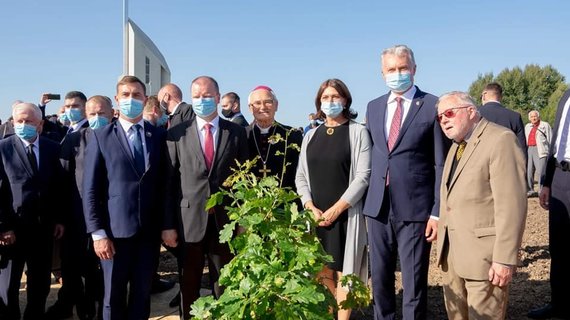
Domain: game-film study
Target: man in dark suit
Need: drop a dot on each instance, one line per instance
(554, 197)
(263, 104)
(122, 202)
(231, 109)
(201, 154)
(170, 99)
(30, 180)
(77, 255)
(402, 204)
(494, 111)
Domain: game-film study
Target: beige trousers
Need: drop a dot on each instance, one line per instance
(472, 299)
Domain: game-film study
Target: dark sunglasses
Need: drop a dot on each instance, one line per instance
(449, 113)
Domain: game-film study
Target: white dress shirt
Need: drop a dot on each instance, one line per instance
(562, 151)
(407, 98)
(36, 148)
(202, 131)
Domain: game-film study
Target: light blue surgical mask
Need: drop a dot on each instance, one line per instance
(131, 108)
(74, 114)
(63, 119)
(97, 122)
(331, 109)
(399, 82)
(25, 131)
(162, 120)
(204, 107)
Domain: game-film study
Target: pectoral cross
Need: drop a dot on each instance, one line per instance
(265, 171)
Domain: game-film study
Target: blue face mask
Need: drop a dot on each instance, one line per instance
(131, 108)
(204, 107)
(331, 109)
(74, 114)
(25, 131)
(97, 122)
(162, 120)
(399, 82)
(63, 119)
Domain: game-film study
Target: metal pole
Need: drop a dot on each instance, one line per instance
(125, 37)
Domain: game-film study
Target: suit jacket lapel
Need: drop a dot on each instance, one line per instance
(469, 149)
(21, 151)
(223, 136)
(382, 122)
(192, 142)
(415, 106)
(121, 137)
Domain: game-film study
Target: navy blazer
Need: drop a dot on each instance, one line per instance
(27, 198)
(497, 113)
(415, 163)
(116, 197)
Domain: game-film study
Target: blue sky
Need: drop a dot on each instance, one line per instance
(291, 46)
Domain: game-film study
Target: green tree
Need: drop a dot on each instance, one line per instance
(533, 87)
(476, 88)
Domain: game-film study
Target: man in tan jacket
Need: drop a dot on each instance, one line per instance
(482, 210)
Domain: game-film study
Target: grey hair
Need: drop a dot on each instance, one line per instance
(26, 105)
(464, 98)
(537, 113)
(400, 50)
(270, 91)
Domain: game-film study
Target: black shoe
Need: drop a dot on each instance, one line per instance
(59, 311)
(175, 302)
(159, 285)
(547, 312)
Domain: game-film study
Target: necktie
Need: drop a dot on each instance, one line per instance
(460, 150)
(395, 125)
(70, 130)
(168, 121)
(138, 151)
(32, 158)
(208, 146)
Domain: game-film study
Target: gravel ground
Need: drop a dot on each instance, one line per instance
(530, 287)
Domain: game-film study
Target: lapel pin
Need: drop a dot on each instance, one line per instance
(148, 134)
(417, 103)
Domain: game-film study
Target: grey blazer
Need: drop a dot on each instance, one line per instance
(355, 253)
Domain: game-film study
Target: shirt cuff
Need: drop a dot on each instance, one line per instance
(434, 218)
(99, 234)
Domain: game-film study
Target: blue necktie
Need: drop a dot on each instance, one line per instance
(138, 150)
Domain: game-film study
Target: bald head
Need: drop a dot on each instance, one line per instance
(169, 96)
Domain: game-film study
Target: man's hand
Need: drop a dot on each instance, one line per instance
(58, 231)
(104, 248)
(44, 100)
(431, 230)
(544, 197)
(170, 238)
(7, 238)
(500, 274)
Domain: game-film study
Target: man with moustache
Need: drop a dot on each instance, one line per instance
(482, 212)
(123, 185)
(201, 154)
(402, 204)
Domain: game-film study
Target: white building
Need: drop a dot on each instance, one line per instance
(145, 60)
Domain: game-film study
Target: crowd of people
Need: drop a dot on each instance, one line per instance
(421, 169)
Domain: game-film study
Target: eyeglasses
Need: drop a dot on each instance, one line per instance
(259, 103)
(449, 113)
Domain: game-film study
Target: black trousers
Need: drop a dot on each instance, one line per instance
(559, 239)
(33, 247)
(193, 257)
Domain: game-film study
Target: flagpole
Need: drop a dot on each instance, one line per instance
(125, 37)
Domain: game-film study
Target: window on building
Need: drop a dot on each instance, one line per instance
(147, 70)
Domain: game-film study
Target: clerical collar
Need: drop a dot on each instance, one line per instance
(263, 130)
